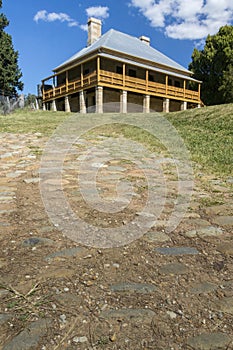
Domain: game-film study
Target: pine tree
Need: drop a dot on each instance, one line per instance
(10, 73)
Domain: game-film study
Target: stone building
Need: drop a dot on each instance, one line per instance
(117, 71)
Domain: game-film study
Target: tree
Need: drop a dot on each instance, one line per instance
(10, 73)
(214, 66)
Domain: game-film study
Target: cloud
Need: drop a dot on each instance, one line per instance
(183, 19)
(43, 15)
(98, 12)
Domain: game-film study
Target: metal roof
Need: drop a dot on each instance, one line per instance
(129, 45)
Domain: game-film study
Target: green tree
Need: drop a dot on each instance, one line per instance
(10, 73)
(214, 66)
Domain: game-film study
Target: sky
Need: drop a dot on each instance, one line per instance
(47, 33)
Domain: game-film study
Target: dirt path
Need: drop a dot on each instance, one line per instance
(161, 291)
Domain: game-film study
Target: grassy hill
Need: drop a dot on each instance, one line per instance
(207, 132)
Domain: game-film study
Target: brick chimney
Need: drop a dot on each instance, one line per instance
(145, 39)
(94, 30)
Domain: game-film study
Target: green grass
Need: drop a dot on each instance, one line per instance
(28, 121)
(207, 132)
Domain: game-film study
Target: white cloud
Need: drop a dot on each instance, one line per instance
(84, 27)
(98, 12)
(43, 15)
(183, 19)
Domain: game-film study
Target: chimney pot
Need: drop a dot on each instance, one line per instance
(94, 30)
(145, 39)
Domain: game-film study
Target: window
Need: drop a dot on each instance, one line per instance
(169, 81)
(132, 73)
(177, 83)
(151, 77)
(86, 71)
(119, 70)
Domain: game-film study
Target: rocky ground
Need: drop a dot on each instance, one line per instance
(162, 291)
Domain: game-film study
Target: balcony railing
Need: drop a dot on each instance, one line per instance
(123, 82)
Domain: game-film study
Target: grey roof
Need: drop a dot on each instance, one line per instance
(126, 44)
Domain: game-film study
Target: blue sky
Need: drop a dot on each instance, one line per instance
(46, 33)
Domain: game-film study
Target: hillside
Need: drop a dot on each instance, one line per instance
(207, 132)
(106, 244)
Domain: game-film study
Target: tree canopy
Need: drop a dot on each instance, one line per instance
(214, 67)
(10, 74)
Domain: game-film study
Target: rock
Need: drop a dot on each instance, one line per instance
(196, 223)
(224, 305)
(144, 314)
(80, 339)
(174, 269)
(209, 341)
(33, 241)
(66, 253)
(205, 287)
(171, 314)
(133, 288)
(223, 209)
(210, 231)
(54, 272)
(4, 318)
(30, 337)
(224, 221)
(153, 237)
(177, 251)
(33, 180)
(226, 248)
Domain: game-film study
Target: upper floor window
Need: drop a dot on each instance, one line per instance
(119, 70)
(132, 73)
(151, 77)
(86, 71)
(177, 83)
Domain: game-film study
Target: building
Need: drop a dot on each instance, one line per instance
(117, 71)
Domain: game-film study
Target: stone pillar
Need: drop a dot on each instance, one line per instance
(146, 104)
(67, 104)
(199, 105)
(166, 103)
(123, 102)
(53, 106)
(183, 106)
(99, 99)
(44, 106)
(82, 102)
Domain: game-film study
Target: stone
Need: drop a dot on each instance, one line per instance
(197, 223)
(143, 314)
(66, 253)
(133, 288)
(225, 305)
(80, 339)
(174, 269)
(226, 248)
(205, 287)
(33, 241)
(209, 341)
(223, 209)
(33, 180)
(224, 221)
(177, 251)
(30, 337)
(153, 237)
(210, 231)
(4, 318)
(53, 272)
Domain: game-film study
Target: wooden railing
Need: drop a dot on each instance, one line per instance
(118, 81)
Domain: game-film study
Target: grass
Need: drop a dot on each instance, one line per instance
(207, 132)
(28, 121)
